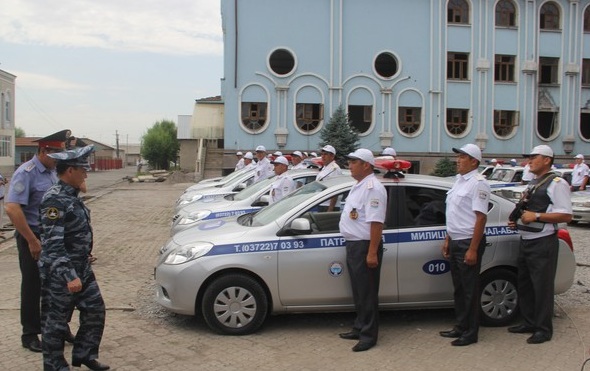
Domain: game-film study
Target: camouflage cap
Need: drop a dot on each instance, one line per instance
(74, 157)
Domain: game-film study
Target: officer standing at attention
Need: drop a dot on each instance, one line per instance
(330, 167)
(466, 215)
(29, 183)
(263, 168)
(67, 279)
(549, 203)
(361, 224)
(240, 164)
(297, 160)
(580, 174)
(283, 183)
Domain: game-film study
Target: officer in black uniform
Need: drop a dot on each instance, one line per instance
(29, 183)
(67, 279)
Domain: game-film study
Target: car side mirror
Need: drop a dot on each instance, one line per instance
(301, 226)
(241, 186)
(262, 201)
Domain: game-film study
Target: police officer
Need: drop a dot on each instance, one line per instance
(389, 152)
(67, 279)
(283, 183)
(466, 215)
(548, 203)
(297, 160)
(29, 183)
(330, 167)
(361, 224)
(580, 174)
(263, 168)
(240, 164)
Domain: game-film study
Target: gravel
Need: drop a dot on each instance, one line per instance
(579, 293)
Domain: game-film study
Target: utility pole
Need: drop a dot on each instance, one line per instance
(117, 141)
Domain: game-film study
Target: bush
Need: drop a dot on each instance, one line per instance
(445, 168)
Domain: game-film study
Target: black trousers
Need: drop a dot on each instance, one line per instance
(365, 289)
(537, 264)
(466, 287)
(30, 290)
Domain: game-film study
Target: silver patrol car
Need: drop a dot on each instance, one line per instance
(207, 212)
(234, 183)
(289, 257)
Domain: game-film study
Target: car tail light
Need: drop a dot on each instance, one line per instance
(565, 236)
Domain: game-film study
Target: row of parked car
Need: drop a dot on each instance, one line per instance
(233, 259)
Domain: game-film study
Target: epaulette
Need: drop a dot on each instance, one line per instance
(30, 167)
(480, 177)
(557, 179)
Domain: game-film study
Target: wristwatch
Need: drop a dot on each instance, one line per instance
(538, 217)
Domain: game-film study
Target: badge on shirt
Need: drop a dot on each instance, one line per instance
(374, 203)
(52, 213)
(354, 215)
(483, 195)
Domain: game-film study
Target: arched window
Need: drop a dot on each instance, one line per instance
(254, 115)
(458, 12)
(505, 14)
(587, 19)
(549, 16)
(409, 120)
(457, 121)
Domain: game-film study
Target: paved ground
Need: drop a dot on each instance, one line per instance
(131, 222)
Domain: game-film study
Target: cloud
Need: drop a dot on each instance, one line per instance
(35, 81)
(177, 27)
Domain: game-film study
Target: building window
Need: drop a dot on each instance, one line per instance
(458, 12)
(549, 70)
(26, 156)
(587, 19)
(585, 125)
(457, 66)
(386, 65)
(586, 72)
(7, 112)
(254, 115)
(5, 146)
(361, 117)
(505, 122)
(549, 16)
(281, 62)
(547, 124)
(409, 119)
(504, 68)
(309, 116)
(505, 14)
(457, 120)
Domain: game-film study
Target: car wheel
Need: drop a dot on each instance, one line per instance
(498, 297)
(234, 305)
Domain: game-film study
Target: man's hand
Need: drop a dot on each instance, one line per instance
(470, 257)
(372, 260)
(75, 285)
(35, 248)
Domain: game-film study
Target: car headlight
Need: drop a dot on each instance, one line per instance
(194, 217)
(186, 253)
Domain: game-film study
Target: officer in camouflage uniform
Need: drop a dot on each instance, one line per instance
(67, 280)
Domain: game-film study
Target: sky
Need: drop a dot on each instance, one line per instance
(105, 67)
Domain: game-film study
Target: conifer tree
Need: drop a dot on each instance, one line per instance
(340, 134)
(445, 167)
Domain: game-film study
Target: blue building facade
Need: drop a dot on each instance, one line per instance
(421, 76)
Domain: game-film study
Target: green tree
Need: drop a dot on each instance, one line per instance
(340, 134)
(159, 144)
(445, 167)
(19, 132)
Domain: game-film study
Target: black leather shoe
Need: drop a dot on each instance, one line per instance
(92, 364)
(538, 338)
(521, 329)
(70, 338)
(352, 335)
(361, 346)
(454, 333)
(34, 345)
(462, 341)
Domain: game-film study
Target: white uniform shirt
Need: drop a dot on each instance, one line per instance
(332, 169)
(470, 193)
(366, 203)
(240, 165)
(263, 170)
(561, 202)
(580, 172)
(282, 186)
(527, 176)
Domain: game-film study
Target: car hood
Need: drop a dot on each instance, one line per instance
(215, 231)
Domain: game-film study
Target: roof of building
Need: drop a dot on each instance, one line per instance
(215, 99)
(26, 142)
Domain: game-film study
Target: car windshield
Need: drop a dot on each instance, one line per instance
(504, 175)
(276, 210)
(253, 189)
(236, 174)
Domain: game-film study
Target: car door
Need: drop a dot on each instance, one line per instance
(423, 273)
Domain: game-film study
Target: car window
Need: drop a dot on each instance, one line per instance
(274, 211)
(253, 189)
(321, 219)
(421, 206)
